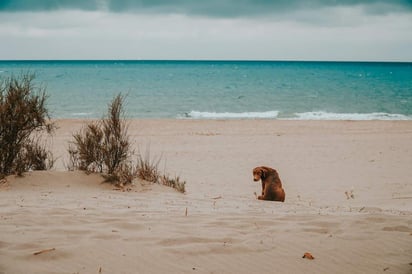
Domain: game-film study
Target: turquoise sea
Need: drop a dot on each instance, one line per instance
(225, 89)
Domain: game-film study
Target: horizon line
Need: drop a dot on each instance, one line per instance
(204, 60)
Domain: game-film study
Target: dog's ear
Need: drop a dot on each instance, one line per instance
(263, 172)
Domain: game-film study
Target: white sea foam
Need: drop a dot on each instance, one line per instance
(231, 115)
(322, 115)
(81, 114)
(314, 115)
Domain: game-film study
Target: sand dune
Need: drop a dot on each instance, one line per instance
(81, 225)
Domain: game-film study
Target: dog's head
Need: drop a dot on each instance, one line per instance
(259, 173)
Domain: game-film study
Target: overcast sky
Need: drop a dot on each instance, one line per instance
(207, 29)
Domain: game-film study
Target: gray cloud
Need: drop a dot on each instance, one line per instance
(216, 30)
(210, 8)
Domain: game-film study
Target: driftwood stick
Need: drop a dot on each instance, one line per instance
(43, 251)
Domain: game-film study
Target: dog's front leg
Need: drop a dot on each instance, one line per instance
(263, 188)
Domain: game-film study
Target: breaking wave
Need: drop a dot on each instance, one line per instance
(314, 115)
(231, 115)
(322, 115)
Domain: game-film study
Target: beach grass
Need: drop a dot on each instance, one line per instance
(24, 119)
(103, 146)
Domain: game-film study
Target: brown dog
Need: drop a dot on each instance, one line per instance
(271, 185)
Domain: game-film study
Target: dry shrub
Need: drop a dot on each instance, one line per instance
(123, 175)
(116, 144)
(174, 183)
(86, 151)
(147, 168)
(104, 146)
(33, 156)
(74, 160)
(23, 114)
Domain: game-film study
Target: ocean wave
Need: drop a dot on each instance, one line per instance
(322, 115)
(231, 115)
(313, 115)
(81, 114)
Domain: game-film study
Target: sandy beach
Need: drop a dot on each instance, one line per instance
(348, 202)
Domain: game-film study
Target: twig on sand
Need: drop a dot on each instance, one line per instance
(349, 194)
(308, 256)
(44, 251)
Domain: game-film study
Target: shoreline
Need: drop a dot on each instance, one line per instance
(141, 128)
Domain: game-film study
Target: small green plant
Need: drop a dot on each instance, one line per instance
(23, 119)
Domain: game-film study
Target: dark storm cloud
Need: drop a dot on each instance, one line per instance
(46, 5)
(212, 8)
